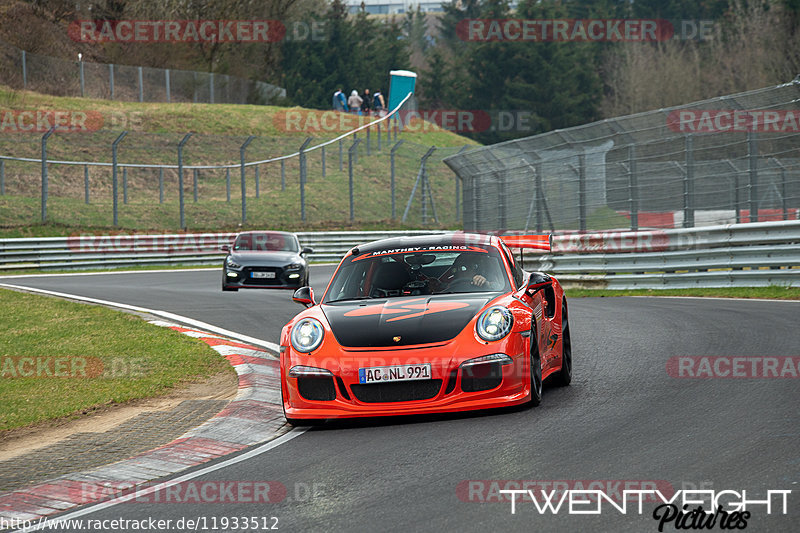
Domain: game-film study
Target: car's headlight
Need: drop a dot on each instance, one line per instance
(307, 335)
(494, 323)
(232, 264)
(295, 266)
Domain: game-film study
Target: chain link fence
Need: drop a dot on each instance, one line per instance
(143, 180)
(50, 75)
(730, 159)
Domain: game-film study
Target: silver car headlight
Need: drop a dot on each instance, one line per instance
(494, 323)
(307, 335)
(232, 264)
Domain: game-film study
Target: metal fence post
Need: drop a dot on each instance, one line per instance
(160, 185)
(125, 185)
(44, 172)
(458, 187)
(379, 136)
(752, 154)
(633, 189)
(391, 158)
(114, 174)
(24, 71)
(582, 191)
(688, 184)
(323, 161)
(350, 154)
(83, 80)
(228, 185)
(244, 185)
(283, 174)
(195, 184)
(368, 141)
(180, 180)
(166, 84)
(538, 194)
(141, 86)
(258, 184)
(302, 159)
(2, 177)
(211, 86)
(340, 154)
(421, 181)
(111, 79)
(86, 184)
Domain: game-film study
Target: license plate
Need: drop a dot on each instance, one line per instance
(270, 275)
(385, 374)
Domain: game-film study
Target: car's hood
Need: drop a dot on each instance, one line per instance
(264, 258)
(402, 321)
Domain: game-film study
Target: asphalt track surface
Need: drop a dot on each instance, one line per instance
(623, 418)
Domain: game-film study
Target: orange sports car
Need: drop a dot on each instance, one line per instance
(427, 324)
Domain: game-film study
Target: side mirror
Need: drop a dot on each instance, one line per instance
(304, 296)
(307, 250)
(537, 282)
(225, 247)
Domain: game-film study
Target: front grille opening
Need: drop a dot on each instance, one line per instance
(342, 388)
(397, 391)
(481, 377)
(316, 388)
(451, 381)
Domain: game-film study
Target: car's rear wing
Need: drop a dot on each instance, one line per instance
(543, 243)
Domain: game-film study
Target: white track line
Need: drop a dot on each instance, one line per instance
(163, 314)
(295, 432)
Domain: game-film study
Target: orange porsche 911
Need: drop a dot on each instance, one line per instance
(425, 324)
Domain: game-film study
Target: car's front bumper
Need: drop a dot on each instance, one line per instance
(244, 279)
(452, 387)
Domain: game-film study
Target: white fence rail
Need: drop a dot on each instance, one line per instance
(735, 255)
(746, 255)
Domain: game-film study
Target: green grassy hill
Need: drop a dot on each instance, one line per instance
(218, 131)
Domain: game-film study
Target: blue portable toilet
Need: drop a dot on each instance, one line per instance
(401, 83)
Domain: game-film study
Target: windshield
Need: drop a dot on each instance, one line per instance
(386, 274)
(265, 242)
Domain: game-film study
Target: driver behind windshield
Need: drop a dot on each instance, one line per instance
(472, 269)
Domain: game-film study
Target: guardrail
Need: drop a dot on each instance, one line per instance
(746, 255)
(103, 251)
(735, 255)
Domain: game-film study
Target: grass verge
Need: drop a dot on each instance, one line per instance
(81, 357)
(771, 293)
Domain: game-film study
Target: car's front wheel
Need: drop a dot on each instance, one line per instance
(536, 369)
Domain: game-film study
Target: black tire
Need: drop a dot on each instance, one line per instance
(564, 376)
(535, 369)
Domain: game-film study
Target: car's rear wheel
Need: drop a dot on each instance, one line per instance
(564, 376)
(536, 369)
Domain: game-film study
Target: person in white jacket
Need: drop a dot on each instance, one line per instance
(354, 102)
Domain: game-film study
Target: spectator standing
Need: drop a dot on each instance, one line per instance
(379, 104)
(355, 102)
(339, 101)
(366, 103)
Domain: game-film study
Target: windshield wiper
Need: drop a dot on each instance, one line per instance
(350, 299)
